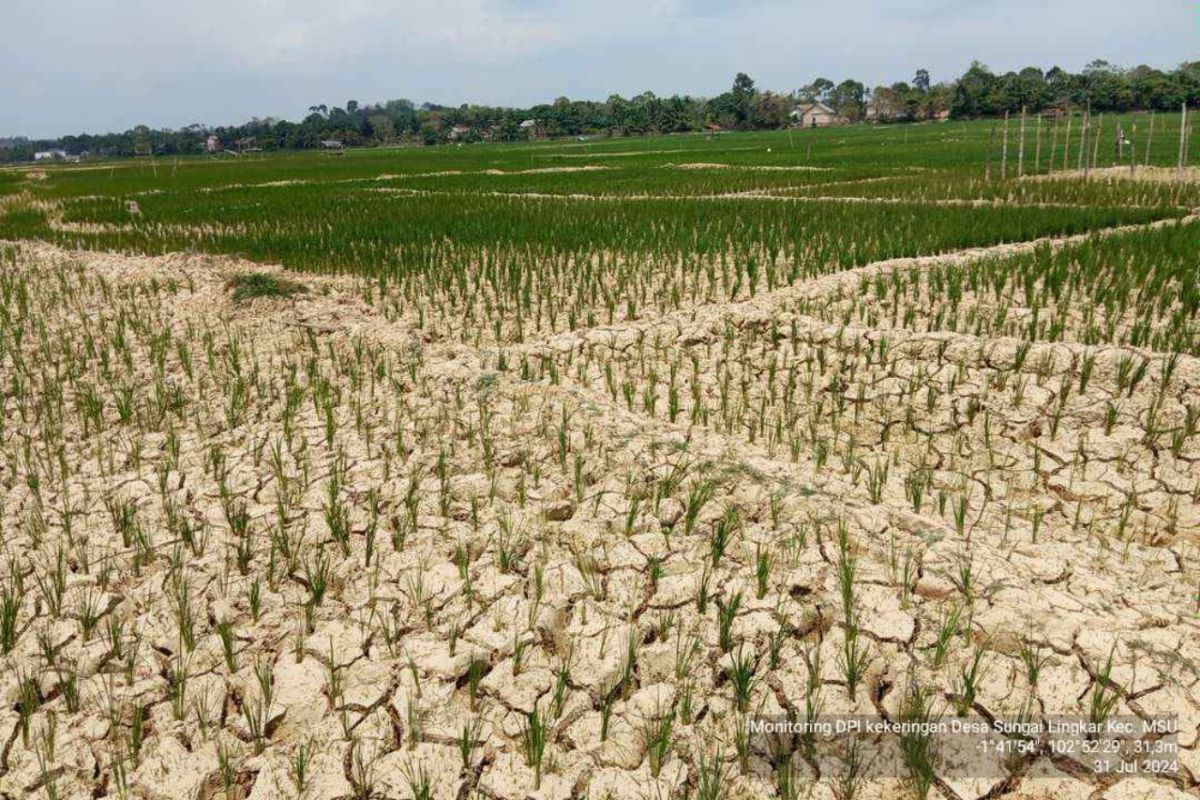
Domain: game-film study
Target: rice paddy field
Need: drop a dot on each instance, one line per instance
(549, 470)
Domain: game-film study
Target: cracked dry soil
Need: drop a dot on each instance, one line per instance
(296, 547)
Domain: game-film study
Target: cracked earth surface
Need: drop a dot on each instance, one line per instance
(315, 547)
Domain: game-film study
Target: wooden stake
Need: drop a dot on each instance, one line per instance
(1004, 150)
(1096, 139)
(1067, 144)
(1133, 151)
(987, 159)
(1021, 147)
(1182, 139)
(1053, 147)
(1083, 134)
(1149, 137)
(1037, 150)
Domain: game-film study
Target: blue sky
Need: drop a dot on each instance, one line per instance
(75, 65)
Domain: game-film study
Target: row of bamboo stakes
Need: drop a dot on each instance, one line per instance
(1084, 162)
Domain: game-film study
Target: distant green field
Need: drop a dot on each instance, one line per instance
(594, 215)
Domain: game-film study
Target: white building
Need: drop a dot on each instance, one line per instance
(814, 115)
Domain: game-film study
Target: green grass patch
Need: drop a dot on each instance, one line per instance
(251, 285)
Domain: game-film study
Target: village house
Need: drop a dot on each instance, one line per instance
(814, 115)
(532, 129)
(50, 155)
(212, 144)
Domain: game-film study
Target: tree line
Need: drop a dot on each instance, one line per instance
(977, 93)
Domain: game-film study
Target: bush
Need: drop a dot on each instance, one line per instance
(259, 284)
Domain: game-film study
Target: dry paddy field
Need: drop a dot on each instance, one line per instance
(551, 471)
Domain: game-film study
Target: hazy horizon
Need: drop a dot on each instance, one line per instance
(76, 68)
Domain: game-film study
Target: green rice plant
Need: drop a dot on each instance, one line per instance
(185, 620)
(762, 570)
(225, 633)
(948, 628)
(855, 657)
(968, 682)
(847, 782)
(918, 744)
(29, 700)
(723, 533)
(608, 700)
(1105, 693)
(252, 285)
(698, 497)
(419, 782)
(227, 769)
(726, 614)
(658, 739)
(177, 687)
(362, 770)
(702, 590)
(741, 675)
(468, 740)
(300, 766)
(10, 610)
(877, 477)
(712, 776)
(533, 743)
(1034, 661)
(916, 484)
(476, 670)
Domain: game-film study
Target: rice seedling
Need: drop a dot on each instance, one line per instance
(712, 776)
(1034, 660)
(918, 744)
(533, 742)
(658, 738)
(741, 674)
(1105, 694)
(468, 740)
(419, 782)
(300, 766)
(968, 683)
(848, 781)
(726, 614)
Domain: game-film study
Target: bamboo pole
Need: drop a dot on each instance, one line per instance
(1133, 151)
(1004, 149)
(1096, 139)
(1037, 150)
(987, 158)
(1021, 147)
(1083, 134)
(1067, 144)
(1149, 137)
(1182, 139)
(1053, 147)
